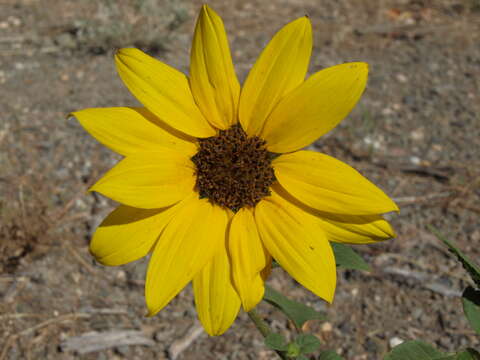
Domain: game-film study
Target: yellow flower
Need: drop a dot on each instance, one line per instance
(214, 183)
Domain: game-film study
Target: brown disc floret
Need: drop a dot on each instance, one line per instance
(232, 169)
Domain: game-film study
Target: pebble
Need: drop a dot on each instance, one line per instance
(14, 21)
(123, 350)
(417, 134)
(417, 313)
(66, 40)
(401, 78)
(415, 160)
(395, 341)
(327, 327)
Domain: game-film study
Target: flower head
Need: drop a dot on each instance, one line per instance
(214, 183)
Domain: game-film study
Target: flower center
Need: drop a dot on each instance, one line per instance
(233, 170)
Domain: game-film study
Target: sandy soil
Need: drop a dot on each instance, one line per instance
(415, 133)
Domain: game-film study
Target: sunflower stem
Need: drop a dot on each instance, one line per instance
(264, 329)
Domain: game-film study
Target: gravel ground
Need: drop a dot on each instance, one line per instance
(415, 133)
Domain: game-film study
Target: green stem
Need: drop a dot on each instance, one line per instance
(264, 329)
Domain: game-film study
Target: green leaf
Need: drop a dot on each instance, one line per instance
(471, 268)
(276, 341)
(471, 307)
(414, 350)
(302, 357)
(293, 350)
(297, 312)
(308, 343)
(469, 354)
(346, 257)
(329, 355)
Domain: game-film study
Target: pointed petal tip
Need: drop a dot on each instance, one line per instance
(71, 115)
(92, 251)
(392, 206)
(151, 313)
(397, 209)
(125, 51)
(360, 66)
(119, 52)
(95, 254)
(329, 294)
(330, 298)
(392, 233)
(248, 306)
(302, 22)
(388, 230)
(152, 310)
(205, 8)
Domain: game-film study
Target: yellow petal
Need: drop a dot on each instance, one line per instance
(248, 257)
(329, 185)
(298, 244)
(315, 107)
(351, 229)
(149, 180)
(356, 229)
(163, 90)
(128, 234)
(188, 243)
(281, 67)
(130, 130)
(212, 76)
(215, 298)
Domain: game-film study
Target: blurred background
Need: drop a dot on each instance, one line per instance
(415, 133)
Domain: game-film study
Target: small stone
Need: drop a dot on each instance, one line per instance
(327, 327)
(476, 236)
(417, 134)
(401, 78)
(387, 111)
(417, 313)
(76, 277)
(395, 341)
(14, 21)
(415, 160)
(123, 350)
(121, 275)
(66, 40)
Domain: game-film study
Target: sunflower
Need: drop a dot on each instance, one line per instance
(214, 184)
